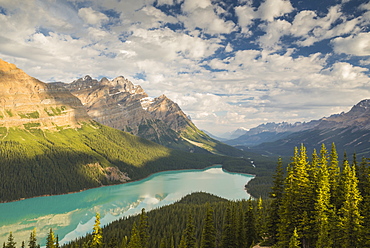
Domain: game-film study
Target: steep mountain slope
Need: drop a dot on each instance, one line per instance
(25, 101)
(349, 131)
(270, 132)
(120, 104)
(49, 145)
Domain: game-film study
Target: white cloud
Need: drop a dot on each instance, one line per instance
(358, 45)
(245, 15)
(202, 14)
(270, 9)
(92, 17)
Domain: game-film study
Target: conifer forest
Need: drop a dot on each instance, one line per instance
(316, 201)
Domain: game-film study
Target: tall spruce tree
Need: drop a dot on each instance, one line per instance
(11, 243)
(295, 207)
(32, 242)
(323, 208)
(97, 235)
(144, 229)
(364, 187)
(189, 232)
(276, 194)
(349, 218)
(135, 241)
(50, 239)
(294, 240)
(228, 230)
(250, 225)
(209, 231)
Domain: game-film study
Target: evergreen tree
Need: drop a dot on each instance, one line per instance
(294, 240)
(189, 233)
(32, 243)
(57, 242)
(50, 239)
(349, 218)
(276, 194)
(97, 235)
(209, 231)
(11, 243)
(135, 241)
(250, 225)
(23, 245)
(228, 233)
(334, 172)
(364, 187)
(295, 206)
(144, 229)
(323, 209)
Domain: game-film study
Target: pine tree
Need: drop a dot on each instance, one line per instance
(294, 240)
(11, 243)
(23, 245)
(189, 233)
(250, 225)
(349, 218)
(97, 235)
(323, 209)
(228, 233)
(364, 187)
(32, 243)
(144, 229)
(50, 239)
(295, 207)
(209, 231)
(276, 194)
(334, 172)
(135, 241)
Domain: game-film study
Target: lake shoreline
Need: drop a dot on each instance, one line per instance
(137, 180)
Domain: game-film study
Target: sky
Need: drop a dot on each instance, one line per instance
(228, 64)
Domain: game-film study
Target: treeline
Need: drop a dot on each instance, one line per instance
(38, 162)
(198, 220)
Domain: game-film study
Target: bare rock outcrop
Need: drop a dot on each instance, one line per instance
(29, 103)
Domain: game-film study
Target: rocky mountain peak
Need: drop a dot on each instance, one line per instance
(27, 102)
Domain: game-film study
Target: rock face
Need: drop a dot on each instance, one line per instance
(120, 104)
(29, 103)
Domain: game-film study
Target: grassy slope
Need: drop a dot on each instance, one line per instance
(39, 162)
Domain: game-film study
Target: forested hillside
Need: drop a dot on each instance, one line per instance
(37, 162)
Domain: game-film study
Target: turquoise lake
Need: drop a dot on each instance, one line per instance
(73, 215)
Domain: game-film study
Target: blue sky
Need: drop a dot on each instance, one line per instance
(228, 64)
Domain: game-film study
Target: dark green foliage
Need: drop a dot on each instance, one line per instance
(209, 231)
(32, 242)
(143, 229)
(11, 243)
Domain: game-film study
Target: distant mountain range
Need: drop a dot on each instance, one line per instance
(120, 104)
(349, 131)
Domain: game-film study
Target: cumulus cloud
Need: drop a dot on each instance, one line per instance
(92, 17)
(358, 45)
(245, 14)
(270, 9)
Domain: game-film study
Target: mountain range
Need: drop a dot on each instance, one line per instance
(350, 131)
(120, 104)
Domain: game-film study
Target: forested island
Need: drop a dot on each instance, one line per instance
(316, 202)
